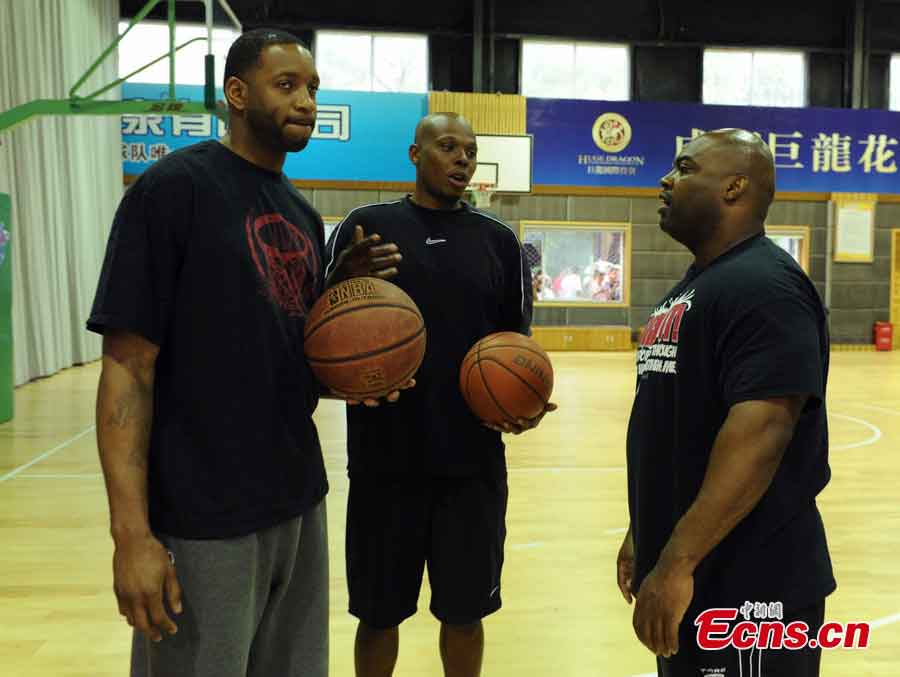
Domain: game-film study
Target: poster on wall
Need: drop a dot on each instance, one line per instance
(621, 143)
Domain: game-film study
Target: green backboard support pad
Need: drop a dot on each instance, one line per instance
(6, 336)
(20, 114)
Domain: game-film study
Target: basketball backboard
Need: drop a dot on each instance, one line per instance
(504, 160)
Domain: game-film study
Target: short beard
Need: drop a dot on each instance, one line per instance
(269, 134)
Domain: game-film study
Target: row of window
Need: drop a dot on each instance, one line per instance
(384, 62)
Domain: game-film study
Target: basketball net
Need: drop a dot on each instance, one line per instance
(482, 193)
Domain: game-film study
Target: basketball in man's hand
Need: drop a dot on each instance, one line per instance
(505, 377)
(364, 338)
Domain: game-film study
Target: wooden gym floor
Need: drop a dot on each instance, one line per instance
(563, 615)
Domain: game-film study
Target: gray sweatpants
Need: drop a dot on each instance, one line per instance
(255, 606)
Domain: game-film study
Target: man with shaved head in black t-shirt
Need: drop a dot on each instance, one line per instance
(728, 438)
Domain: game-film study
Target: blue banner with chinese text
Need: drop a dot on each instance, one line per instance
(610, 143)
(364, 136)
(359, 136)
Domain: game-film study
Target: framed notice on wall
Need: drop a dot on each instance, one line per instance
(854, 228)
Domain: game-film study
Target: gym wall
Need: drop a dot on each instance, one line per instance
(860, 293)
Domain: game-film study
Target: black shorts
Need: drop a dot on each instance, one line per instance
(691, 661)
(397, 525)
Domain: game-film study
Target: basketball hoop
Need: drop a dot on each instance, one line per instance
(482, 194)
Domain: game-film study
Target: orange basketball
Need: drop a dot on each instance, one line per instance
(364, 338)
(506, 376)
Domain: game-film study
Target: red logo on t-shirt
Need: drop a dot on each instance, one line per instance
(286, 261)
(658, 346)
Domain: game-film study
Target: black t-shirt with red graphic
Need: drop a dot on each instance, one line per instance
(217, 261)
(750, 326)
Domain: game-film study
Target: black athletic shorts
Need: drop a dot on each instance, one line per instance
(691, 661)
(397, 525)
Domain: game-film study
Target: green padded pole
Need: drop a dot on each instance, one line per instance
(209, 90)
(7, 401)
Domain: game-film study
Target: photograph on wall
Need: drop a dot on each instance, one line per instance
(577, 263)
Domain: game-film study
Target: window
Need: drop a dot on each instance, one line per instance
(578, 263)
(149, 40)
(895, 82)
(372, 62)
(795, 240)
(575, 70)
(754, 77)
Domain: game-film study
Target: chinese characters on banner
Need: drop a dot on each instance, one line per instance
(157, 127)
(825, 152)
(333, 123)
(360, 136)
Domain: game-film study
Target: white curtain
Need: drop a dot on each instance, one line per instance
(64, 175)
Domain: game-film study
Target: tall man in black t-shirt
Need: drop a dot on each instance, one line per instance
(728, 438)
(427, 479)
(204, 411)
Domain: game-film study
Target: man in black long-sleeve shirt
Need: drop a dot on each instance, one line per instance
(428, 479)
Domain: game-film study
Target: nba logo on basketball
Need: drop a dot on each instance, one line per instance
(351, 290)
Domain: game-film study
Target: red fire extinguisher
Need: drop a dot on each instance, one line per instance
(884, 336)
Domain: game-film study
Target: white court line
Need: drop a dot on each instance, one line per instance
(526, 546)
(46, 454)
(872, 439)
(620, 530)
(39, 476)
(887, 620)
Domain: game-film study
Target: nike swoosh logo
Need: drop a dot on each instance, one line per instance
(430, 241)
(494, 591)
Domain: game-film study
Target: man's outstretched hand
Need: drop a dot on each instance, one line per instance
(366, 257)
